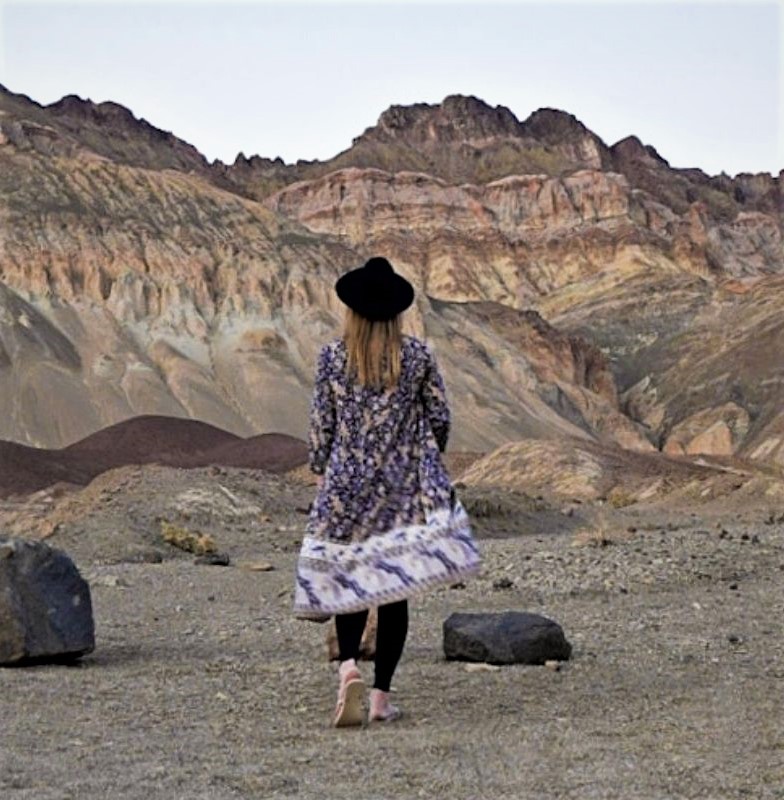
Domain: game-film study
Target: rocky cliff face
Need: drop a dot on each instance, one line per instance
(551, 272)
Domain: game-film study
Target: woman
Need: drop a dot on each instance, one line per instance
(385, 522)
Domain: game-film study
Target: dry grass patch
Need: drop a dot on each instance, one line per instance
(600, 535)
(190, 541)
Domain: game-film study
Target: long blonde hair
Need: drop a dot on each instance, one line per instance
(373, 349)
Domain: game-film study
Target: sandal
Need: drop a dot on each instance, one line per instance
(390, 715)
(351, 695)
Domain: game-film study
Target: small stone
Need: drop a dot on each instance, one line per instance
(109, 580)
(213, 559)
(552, 664)
(145, 557)
(256, 566)
(733, 638)
(733, 586)
(481, 667)
(458, 585)
(503, 583)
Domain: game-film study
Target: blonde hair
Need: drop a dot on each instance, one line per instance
(373, 349)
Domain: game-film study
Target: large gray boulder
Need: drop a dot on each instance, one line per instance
(509, 637)
(45, 606)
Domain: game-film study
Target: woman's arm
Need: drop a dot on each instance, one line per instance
(321, 416)
(436, 402)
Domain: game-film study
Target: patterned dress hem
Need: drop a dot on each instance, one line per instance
(338, 578)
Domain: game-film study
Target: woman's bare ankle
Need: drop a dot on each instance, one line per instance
(379, 699)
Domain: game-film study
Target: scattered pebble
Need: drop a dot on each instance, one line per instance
(481, 666)
(213, 559)
(256, 566)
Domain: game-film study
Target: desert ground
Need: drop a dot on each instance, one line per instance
(203, 685)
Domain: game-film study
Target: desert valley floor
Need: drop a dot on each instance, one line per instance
(203, 686)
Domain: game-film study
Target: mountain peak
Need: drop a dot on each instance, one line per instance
(457, 117)
(631, 148)
(553, 126)
(107, 112)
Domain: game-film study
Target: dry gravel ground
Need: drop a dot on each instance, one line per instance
(203, 685)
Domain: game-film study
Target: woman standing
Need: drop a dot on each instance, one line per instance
(385, 522)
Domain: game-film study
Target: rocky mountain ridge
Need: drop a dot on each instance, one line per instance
(136, 277)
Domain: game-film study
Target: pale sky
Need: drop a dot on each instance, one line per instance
(700, 81)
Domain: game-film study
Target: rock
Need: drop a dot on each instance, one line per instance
(503, 583)
(480, 666)
(256, 566)
(45, 604)
(213, 559)
(509, 637)
(109, 580)
(144, 556)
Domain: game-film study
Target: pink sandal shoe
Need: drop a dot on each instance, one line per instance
(390, 715)
(351, 695)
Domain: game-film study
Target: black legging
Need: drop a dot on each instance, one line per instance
(390, 638)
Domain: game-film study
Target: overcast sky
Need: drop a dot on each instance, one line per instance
(700, 81)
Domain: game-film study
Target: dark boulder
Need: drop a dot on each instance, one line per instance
(45, 604)
(509, 637)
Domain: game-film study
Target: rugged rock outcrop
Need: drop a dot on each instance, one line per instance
(583, 470)
(137, 278)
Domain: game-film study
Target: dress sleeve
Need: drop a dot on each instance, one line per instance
(321, 416)
(436, 402)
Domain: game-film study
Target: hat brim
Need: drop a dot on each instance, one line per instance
(377, 297)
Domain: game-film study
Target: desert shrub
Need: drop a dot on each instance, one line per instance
(619, 498)
(482, 502)
(600, 535)
(190, 541)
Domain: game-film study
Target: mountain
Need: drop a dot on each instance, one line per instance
(556, 276)
(145, 439)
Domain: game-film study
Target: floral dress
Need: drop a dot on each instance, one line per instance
(385, 521)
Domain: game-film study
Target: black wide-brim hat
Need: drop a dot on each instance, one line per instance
(375, 290)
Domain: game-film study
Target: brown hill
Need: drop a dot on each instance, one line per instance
(147, 439)
(26, 469)
(274, 452)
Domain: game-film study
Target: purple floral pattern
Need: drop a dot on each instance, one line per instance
(385, 521)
